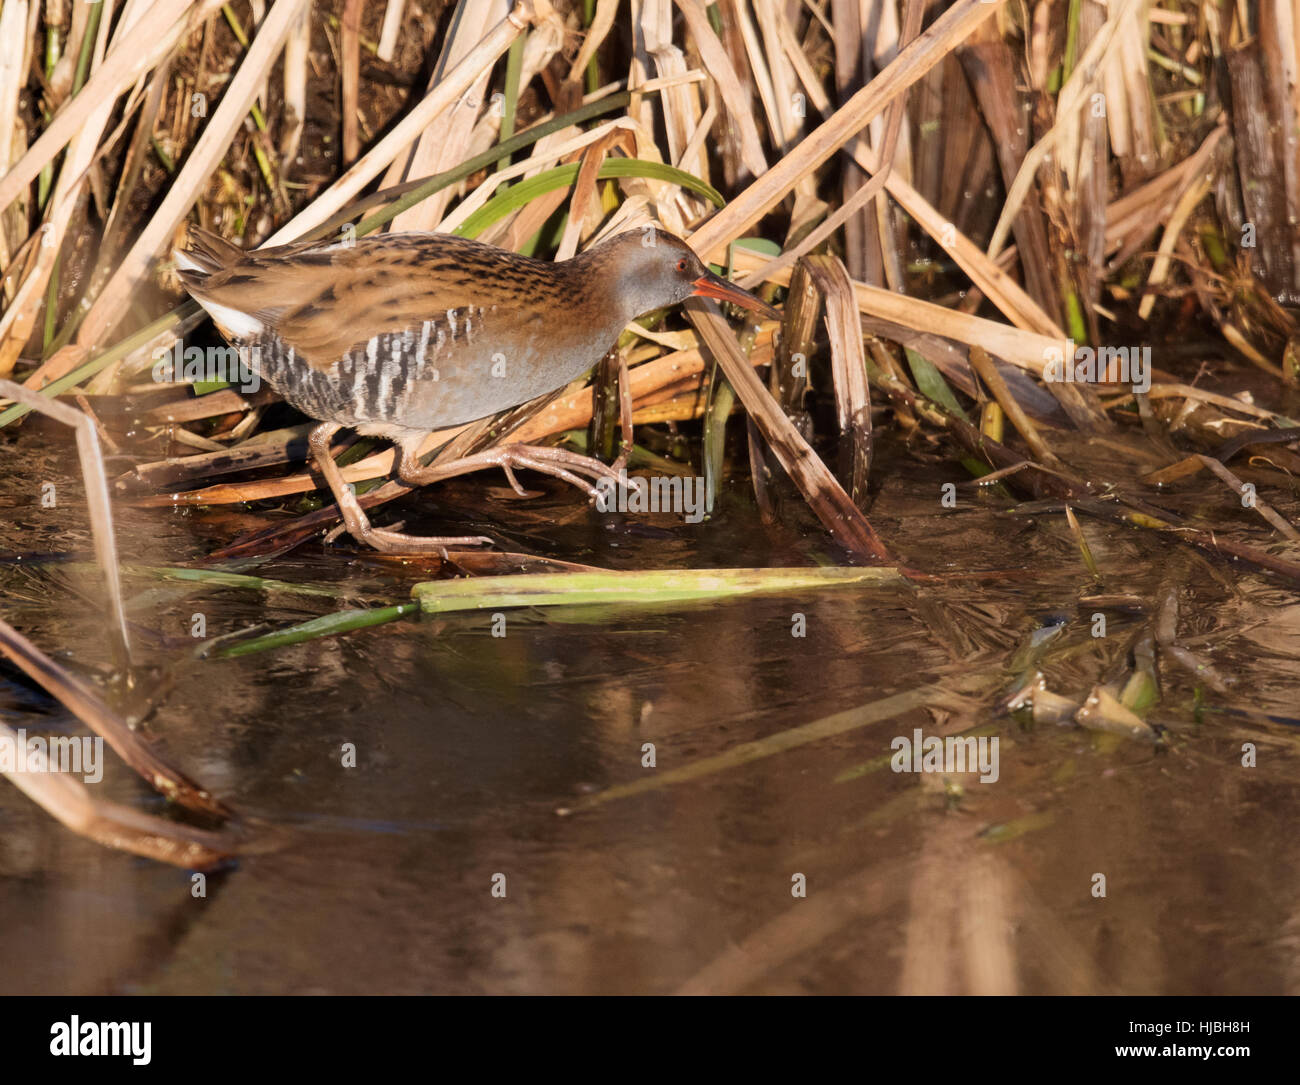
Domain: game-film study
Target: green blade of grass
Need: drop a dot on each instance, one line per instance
(930, 382)
(510, 101)
(722, 398)
(215, 578)
(633, 588)
(329, 625)
(564, 176)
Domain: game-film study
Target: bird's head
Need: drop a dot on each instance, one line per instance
(651, 269)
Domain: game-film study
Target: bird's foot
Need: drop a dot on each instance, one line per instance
(395, 542)
(358, 523)
(572, 467)
(387, 541)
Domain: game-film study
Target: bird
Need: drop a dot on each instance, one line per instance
(397, 335)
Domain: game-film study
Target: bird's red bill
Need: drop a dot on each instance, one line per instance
(711, 286)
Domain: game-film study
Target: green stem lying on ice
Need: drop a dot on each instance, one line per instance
(328, 625)
(634, 588)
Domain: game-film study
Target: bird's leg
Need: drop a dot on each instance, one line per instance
(355, 519)
(624, 414)
(569, 466)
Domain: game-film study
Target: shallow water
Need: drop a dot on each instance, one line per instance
(468, 745)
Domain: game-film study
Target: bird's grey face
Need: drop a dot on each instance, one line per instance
(659, 270)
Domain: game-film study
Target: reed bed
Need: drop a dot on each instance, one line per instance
(1041, 175)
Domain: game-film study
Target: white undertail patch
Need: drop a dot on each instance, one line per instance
(185, 262)
(237, 324)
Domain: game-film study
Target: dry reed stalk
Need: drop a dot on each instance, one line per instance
(1082, 82)
(732, 93)
(601, 24)
(445, 140)
(852, 49)
(848, 370)
(13, 49)
(1253, 501)
(350, 77)
(98, 507)
(889, 138)
(785, 83)
(912, 63)
(799, 63)
(136, 54)
(585, 200)
(1003, 291)
(837, 512)
(84, 703)
(1193, 195)
(988, 373)
(1280, 38)
(1135, 216)
(209, 149)
(19, 319)
(1087, 202)
(541, 45)
(1117, 111)
(1133, 46)
(132, 169)
(639, 109)
(115, 826)
(788, 378)
(455, 83)
(1026, 349)
(863, 194)
(775, 107)
(391, 28)
(994, 77)
(1265, 157)
(695, 145)
(297, 50)
(213, 405)
(680, 106)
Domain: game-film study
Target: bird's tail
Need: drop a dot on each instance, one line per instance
(203, 254)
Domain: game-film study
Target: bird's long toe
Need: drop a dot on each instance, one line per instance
(395, 542)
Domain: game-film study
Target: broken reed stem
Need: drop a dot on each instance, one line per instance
(84, 703)
(69, 802)
(988, 373)
(97, 504)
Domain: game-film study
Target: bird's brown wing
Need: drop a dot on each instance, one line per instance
(325, 301)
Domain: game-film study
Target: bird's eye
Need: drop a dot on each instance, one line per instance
(681, 265)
